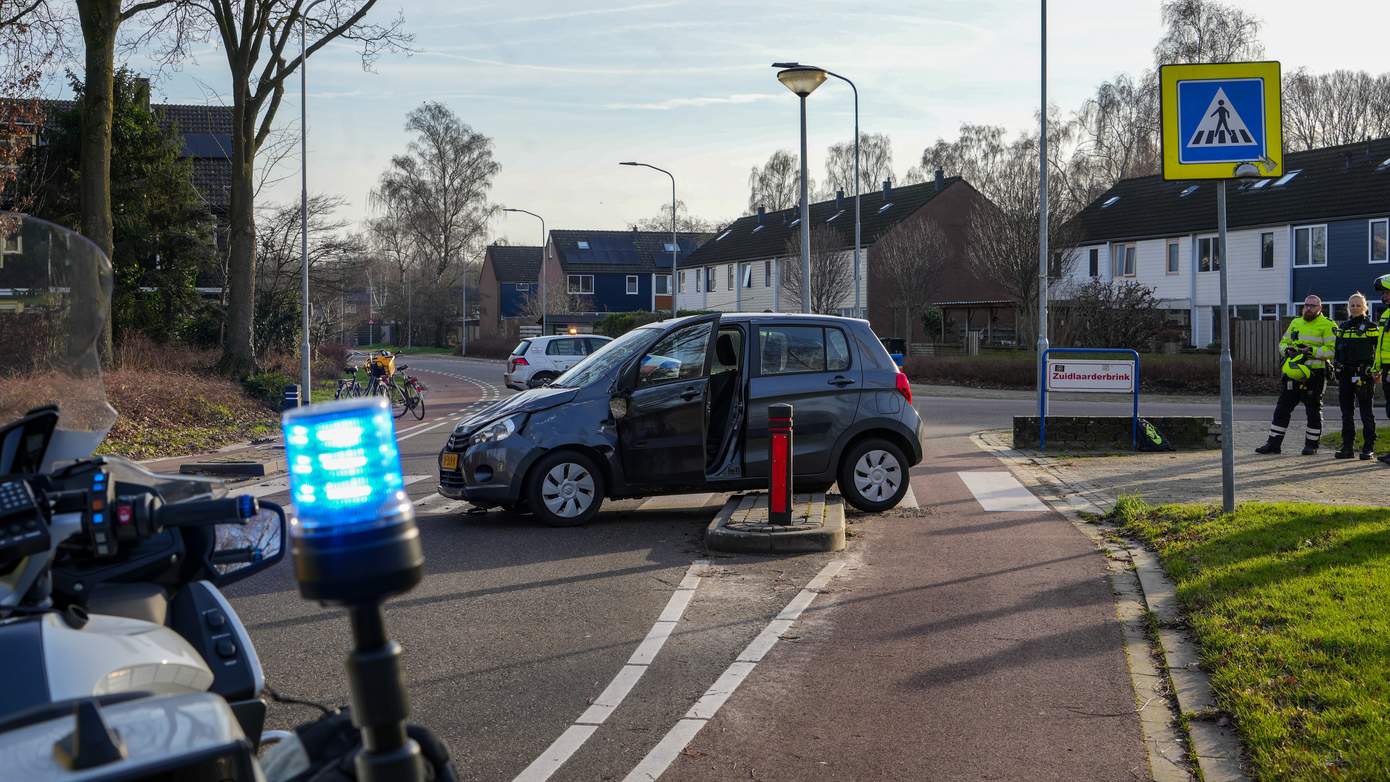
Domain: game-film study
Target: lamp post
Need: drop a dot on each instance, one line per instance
(305, 349)
(857, 185)
(675, 247)
(1042, 228)
(803, 81)
(545, 326)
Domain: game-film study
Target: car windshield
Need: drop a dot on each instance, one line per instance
(606, 358)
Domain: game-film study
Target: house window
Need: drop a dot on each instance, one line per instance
(1095, 262)
(12, 244)
(746, 274)
(729, 277)
(699, 280)
(581, 283)
(1123, 261)
(1208, 254)
(767, 274)
(1380, 241)
(523, 287)
(709, 279)
(1310, 246)
(632, 286)
(1269, 312)
(1267, 250)
(1172, 258)
(583, 245)
(668, 247)
(663, 284)
(680, 281)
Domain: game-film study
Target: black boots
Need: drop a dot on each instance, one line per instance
(1367, 454)
(1345, 452)
(1310, 447)
(1271, 446)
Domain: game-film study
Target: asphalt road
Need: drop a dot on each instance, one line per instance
(518, 628)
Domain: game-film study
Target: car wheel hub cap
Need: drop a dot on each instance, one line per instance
(877, 475)
(567, 490)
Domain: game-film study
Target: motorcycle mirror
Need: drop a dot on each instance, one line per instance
(243, 550)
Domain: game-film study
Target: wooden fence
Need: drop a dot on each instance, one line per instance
(1255, 346)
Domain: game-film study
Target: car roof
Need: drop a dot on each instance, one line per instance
(756, 317)
(548, 337)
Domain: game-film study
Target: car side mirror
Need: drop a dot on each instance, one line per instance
(242, 550)
(617, 407)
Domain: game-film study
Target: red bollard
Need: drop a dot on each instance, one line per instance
(779, 498)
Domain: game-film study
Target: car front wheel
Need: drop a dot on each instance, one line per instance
(541, 379)
(565, 489)
(873, 475)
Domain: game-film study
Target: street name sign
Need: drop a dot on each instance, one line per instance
(1089, 375)
(1215, 117)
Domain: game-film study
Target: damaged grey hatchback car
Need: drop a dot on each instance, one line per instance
(681, 406)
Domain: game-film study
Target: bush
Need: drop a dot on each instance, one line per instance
(491, 347)
(1159, 373)
(269, 386)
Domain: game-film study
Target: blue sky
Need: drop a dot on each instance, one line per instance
(568, 89)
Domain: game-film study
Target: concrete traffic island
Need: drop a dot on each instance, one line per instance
(818, 524)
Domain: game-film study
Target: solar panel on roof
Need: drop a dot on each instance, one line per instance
(207, 145)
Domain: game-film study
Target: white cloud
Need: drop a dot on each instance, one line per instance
(685, 103)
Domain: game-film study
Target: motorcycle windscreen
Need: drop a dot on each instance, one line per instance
(55, 299)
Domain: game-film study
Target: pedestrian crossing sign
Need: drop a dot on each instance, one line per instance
(1216, 117)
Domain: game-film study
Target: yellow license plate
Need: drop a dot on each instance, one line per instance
(450, 461)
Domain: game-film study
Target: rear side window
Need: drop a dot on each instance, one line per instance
(521, 348)
(787, 350)
(595, 344)
(564, 347)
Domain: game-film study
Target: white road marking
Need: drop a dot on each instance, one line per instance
(602, 707)
(1000, 491)
(679, 737)
(677, 502)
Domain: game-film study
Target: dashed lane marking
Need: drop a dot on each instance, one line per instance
(602, 707)
(679, 737)
(1001, 492)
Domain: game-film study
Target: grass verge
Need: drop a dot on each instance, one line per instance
(1287, 602)
(414, 351)
(173, 413)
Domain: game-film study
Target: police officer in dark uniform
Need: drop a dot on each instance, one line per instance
(1358, 339)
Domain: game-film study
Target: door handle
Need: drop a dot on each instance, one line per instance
(841, 381)
(689, 394)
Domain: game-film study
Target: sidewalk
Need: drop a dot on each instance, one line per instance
(957, 644)
(1195, 476)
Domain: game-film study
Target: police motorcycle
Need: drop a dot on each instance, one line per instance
(122, 658)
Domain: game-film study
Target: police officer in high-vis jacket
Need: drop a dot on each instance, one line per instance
(1382, 361)
(1358, 342)
(1309, 338)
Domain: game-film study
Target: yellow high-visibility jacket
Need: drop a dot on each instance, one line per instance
(1383, 344)
(1319, 335)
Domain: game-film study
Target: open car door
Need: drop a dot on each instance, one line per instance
(662, 436)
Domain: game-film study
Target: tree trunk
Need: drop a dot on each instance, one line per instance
(100, 21)
(238, 350)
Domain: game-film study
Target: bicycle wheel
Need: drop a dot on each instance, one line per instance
(338, 394)
(417, 402)
(398, 402)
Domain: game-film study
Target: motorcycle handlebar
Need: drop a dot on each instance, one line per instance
(206, 513)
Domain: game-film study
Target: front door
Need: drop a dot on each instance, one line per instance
(812, 368)
(662, 436)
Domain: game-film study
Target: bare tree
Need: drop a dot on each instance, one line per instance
(31, 37)
(439, 193)
(832, 275)
(1331, 109)
(1207, 31)
(776, 185)
(256, 37)
(1117, 135)
(910, 261)
(1003, 244)
(661, 220)
(875, 163)
(1098, 314)
(558, 301)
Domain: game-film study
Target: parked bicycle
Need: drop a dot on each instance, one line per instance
(348, 387)
(413, 392)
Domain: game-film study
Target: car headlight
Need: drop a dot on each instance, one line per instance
(497, 430)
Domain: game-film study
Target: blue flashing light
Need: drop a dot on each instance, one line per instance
(345, 467)
(98, 518)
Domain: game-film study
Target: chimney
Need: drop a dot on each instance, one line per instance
(839, 200)
(887, 187)
(940, 180)
(762, 213)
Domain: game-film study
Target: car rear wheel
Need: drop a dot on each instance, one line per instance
(873, 475)
(541, 379)
(565, 489)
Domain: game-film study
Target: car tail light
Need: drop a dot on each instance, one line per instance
(904, 387)
(518, 362)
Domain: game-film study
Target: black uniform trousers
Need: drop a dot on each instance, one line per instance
(1310, 394)
(1353, 395)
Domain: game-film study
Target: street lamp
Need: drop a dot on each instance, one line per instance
(305, 350)
(856, 171)
(674, 245)
(803, 81)
(545, 325)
